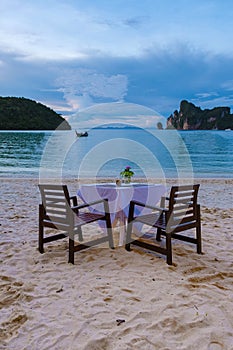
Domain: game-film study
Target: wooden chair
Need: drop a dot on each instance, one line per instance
(60, 211)
(181, 214)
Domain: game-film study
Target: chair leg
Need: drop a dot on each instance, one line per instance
(71, 248)
(41, 231)
(109, 231)
(198, 235)
(41, 237)
(80, 234)
(169, 249)
(128, 236)
(198, 230)
(158, 235)
(127, 247)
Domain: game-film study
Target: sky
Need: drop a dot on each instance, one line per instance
(75, 55)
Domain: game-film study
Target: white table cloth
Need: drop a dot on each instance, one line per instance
(119, 198)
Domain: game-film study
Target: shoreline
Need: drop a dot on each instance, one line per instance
(113, 178)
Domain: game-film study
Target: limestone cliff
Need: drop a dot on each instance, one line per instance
(190, 117)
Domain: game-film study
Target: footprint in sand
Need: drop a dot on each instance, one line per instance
(215, 346)
(10, 327)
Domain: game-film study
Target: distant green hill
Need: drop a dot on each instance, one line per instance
(19, 113)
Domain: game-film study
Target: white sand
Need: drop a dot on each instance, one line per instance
(46, 303)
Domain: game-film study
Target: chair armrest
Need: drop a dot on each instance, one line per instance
(163, 200)
(132, 205)
(74, 200)
(136, 203)
(90, 204)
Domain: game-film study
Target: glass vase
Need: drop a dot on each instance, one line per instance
(126, 179)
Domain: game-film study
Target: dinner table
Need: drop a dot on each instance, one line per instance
(119, 198)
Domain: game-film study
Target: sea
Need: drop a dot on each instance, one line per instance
(105, 152)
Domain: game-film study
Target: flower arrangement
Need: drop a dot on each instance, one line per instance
(127, 172)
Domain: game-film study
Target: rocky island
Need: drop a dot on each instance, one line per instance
(190, 117)
(19, 113)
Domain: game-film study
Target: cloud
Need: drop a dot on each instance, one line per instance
(136, 22)
(117, 112)
(159, 79)
(81, 87)
(220, 101)
(58, 30)
(228, 85)
(206, 95)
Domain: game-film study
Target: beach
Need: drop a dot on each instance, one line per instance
(114, 299)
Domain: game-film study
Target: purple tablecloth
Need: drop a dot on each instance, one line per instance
(119, 198)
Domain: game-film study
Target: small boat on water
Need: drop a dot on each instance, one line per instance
(81, 134)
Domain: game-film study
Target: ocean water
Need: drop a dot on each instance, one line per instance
(105, 152)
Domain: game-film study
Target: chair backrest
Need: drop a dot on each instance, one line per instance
(56, 206)
(183, 209)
